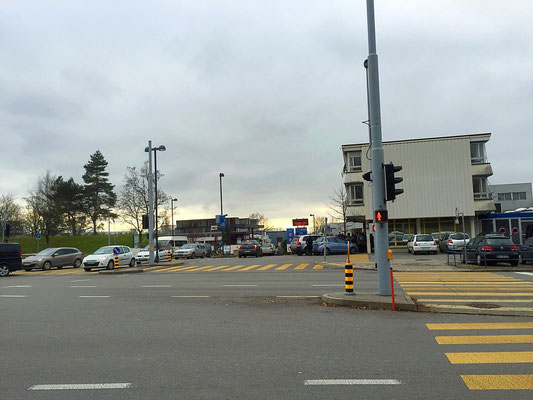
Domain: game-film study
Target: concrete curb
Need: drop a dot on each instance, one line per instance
(371, 301)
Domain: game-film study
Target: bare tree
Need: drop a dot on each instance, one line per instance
(339, 205)
(319, 224)
(262, 220)
(9, 205)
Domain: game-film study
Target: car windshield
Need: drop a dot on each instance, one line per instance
(424, 238)
(529, 241)
(104, 250)
(46, 252)
(188, 246)
(499, 241)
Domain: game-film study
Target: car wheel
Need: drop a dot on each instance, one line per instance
(514, 263)
(59, 267)
(77, 263)
(132, 263)
(27, 269)
(110, 265)
(521, 260)
(47, 265)
(240, 256)
(192, 256)
(4, 270)
(87, 269)
(328, 251)
(353, 250)
(478, 260)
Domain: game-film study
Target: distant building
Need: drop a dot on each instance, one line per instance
(442, 176)
(511, 196)
(207, 229)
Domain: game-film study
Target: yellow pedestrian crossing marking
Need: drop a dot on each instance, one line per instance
(283, 267)
(495, 357)
(267, 267)
(215, 268)
(318, 266)
(512, 294)
(477, 300)
(200, 268)
(232, 268)
(484, 339)
(301, 266)
(476, 325)
(498, 382)
(468, 307)
(250, 267)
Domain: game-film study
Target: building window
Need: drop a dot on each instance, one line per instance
(519, 195)
(354, 161)
(480, 187)
(477, 152)
(355, 194)
(504, 196)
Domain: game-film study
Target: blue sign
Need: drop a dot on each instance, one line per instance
(221, 220)
(220, 242)
(290, 235)
(38, 236)
(116, 250)
(301, 231)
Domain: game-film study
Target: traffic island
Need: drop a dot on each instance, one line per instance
(370, 300)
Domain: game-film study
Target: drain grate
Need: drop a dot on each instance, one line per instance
(484, 305)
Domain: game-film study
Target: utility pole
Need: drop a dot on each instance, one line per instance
(381, 242)
(150, 204)
(4, 221)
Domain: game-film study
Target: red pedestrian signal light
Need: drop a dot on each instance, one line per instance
(381, 216)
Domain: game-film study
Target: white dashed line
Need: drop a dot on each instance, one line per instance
(525, 273)
(156, 286)
(353, 382)
(192, 296)
(13, 295)
(80, 280)
(83, 386)
(240, 285)
(80, 286)
(89, 297)
(17, 286)
(329, 285)
(299, 297)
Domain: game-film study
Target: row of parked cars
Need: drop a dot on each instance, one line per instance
(333, 244)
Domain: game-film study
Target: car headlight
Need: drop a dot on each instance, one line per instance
(101, 258)
(39, 259)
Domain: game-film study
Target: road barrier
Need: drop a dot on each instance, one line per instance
(348, 274)
(116, 260)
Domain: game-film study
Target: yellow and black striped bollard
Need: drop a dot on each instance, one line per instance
(169, 255)
(348, 274)
(116, 260)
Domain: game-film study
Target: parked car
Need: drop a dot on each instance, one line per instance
(207, 247)
(299, 242)
(396, 238)
(490, 249)
(526, 251)
(443, 243)
(334, 245)
(58, 257)
(105, 258)
(456, 241)
(10, 258)
(250, 248)
(191, 250)
(423, 243)
(144, 254)
(268, 248)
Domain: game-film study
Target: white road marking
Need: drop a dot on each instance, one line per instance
(94, 296)
(525, 273)
(154, 286)
(353, 382)
(82, 286)
(328, 285)
(240, 285)
(82, 386)
(299, 297)
(13, 295)
(17, 286)
(80, 280)
(190, 296)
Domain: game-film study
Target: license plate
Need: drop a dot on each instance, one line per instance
(502, 256)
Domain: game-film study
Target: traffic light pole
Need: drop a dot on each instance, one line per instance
(150, 206)
(381, 242)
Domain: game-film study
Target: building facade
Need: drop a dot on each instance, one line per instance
(443, 178)
(207, 229)
(512, 196)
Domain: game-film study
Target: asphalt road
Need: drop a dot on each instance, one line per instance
(240, 343)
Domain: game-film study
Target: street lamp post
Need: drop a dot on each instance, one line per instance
(220, 176)
(172, 215)
(314, 228)
(156, 149)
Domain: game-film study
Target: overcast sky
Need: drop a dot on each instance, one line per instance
(264, 91)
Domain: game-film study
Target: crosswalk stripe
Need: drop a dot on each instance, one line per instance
(267, 267)
(232, 268)
(477, 325)
(475, 284)
(176, 268)
(498, 382)
(215, 268)
(318, 266)
(526, 300)
(468, 307)
(452, 289)
(249, 267)
(200, 268)
(484, 339)
(283, 267)
(495, 357)
(301, 266)
(468, 294)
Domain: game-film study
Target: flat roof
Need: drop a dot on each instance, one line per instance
(473, 135)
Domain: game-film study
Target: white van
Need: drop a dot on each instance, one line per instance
(166, 242)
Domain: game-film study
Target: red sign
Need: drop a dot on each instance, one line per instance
(300, 222)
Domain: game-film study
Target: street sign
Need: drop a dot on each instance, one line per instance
(38, 236)
(301, 231)
(300, 222)
(514, 230)
(290, 235)
(219, 242)
(502, 230)
(221, 221)
(116, 250)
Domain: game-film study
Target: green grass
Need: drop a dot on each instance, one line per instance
(86, 244)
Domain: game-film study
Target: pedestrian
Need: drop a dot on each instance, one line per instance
(309, 245)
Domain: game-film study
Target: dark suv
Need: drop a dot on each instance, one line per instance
(10, 258)
(492, 248)
(250, 248)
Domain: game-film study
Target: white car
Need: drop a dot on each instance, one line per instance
(144, 255)
(104, 257)
(268, 248)
(456, 241)
(422, 244)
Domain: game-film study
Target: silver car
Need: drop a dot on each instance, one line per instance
(58, 257)
(191, 250)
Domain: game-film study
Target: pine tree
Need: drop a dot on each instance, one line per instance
(99, 195)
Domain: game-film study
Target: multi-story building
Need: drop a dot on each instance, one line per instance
(512, 196)
(443, 178)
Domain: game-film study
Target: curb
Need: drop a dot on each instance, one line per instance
(371, 301)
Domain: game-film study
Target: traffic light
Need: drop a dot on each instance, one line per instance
(367, 176)
(390, 181)
(145, 221)
(381, 216)
(8, 229)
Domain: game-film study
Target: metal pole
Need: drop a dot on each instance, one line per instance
(109, 232)
(381, 243)
(150, 205)
(156, 229)
(464, 238)
(220, 175)
(325, 235)
(172, 216)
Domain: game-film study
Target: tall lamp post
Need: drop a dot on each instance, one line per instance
(220, 176)
(172, 215)
(314, 228)
(156, 149)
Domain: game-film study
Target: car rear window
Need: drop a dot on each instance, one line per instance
(458, 236)
(424, 238)
(499, 241)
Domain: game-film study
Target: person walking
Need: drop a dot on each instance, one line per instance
(309, 246)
